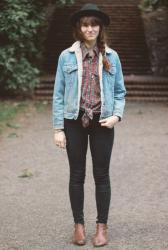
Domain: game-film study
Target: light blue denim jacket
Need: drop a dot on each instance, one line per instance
(68, 81)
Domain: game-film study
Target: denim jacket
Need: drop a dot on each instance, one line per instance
(68, 81)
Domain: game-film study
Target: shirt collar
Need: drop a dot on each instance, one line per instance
(85, 50)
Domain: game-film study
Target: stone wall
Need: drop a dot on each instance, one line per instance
(156, 31)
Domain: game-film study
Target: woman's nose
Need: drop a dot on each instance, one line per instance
(90, 28)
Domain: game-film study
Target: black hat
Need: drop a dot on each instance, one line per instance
(90, 9)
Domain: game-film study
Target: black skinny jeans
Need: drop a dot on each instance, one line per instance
(101, 143)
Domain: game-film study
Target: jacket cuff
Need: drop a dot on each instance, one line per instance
(119, 118)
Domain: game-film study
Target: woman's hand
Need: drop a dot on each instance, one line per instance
(60, 139)
(109, 122)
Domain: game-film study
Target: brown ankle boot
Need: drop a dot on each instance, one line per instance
(79, 236)
(100, 238)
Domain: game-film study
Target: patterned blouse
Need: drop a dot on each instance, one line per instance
(90, 90)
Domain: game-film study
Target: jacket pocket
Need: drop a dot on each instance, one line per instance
(110, 76)
(70, 73)
(69, 68)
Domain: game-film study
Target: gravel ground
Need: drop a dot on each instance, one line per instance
(35, 211)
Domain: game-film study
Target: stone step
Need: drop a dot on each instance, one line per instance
(147, 93)
(129, 86)
(145, 79)
(139, 92)
(128, 98)
(139, 79)
(147, 98)
(132, 87)
(135, 86)
(139, 87)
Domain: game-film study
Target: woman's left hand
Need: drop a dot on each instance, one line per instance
(109, 122)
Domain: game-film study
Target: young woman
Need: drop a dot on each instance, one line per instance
(88, 100)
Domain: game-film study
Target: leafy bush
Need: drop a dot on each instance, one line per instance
(150, 5)
(22, 28)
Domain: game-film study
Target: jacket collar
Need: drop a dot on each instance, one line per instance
(76, 47)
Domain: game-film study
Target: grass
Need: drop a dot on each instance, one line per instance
(8, 111)
(41, 106)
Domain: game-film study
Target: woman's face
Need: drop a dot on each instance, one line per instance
(90, 32)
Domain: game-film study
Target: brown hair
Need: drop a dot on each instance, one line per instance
(101, 39)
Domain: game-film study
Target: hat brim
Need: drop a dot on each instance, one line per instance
(77, 15)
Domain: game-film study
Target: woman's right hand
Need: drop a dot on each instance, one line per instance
(60, 139)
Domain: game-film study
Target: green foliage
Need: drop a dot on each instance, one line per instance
(149, 5)
(8, 111)
(22, 30)
(19, 21)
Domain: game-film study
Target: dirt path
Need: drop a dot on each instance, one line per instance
(35, 211)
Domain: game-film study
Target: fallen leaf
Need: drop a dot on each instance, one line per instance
(12, 135)
(13, 125)
(26, 173)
